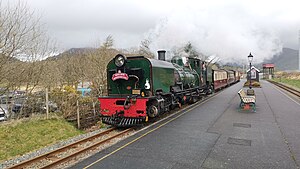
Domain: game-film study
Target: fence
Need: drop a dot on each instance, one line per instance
(82, 110)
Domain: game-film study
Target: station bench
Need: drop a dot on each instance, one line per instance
(247, 101)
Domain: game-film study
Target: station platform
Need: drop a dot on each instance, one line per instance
(215, 134)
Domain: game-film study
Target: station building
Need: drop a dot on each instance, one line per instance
(254, 74)
(268, 70)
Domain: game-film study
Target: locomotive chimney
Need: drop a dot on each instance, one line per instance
(161, 55)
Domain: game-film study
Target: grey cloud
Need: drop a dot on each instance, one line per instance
(230, 30)
(111, 16)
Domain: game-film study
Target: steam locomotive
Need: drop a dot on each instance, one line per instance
(140, 88)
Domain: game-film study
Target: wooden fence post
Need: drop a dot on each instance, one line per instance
(78, 115)
(47, 103)
(94, 108)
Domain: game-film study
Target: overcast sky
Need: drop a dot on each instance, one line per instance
(228, 29)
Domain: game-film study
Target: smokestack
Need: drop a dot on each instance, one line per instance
(161, 55)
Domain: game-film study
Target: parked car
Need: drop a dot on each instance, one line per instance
(3, 113)
(52, 106)
(6, 99)
(20, 105)
(27, 106)
(19, 93)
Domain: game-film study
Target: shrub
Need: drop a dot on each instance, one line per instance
(253, 83)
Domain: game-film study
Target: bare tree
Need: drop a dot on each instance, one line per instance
(108, 43)
(51, 76)
(145, 49)
(193, 52)
(93, 65)
(20, 29)
(21, 38)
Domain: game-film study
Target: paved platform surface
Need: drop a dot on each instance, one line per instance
(216, 135)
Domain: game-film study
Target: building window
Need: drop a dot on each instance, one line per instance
(253, 74)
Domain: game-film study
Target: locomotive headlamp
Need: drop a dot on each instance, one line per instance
(120, 60)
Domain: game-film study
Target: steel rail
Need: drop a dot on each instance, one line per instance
(59, 161)
(61, 149)
(287, 88)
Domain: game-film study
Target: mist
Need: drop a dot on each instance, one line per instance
(228, 29)
(230, 32)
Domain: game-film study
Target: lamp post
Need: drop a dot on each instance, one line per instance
(250, 58)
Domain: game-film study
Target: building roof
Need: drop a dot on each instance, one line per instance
(253, 68)
(268, 65)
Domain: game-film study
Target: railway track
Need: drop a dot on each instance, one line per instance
(289, 89)
(68, 152)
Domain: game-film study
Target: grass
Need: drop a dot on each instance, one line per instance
(20, 137)
(291, 82)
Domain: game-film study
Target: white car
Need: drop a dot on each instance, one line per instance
(3, 114)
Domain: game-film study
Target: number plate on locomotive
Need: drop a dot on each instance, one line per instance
(136, 91)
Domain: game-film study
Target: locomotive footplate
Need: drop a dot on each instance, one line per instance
(123, 121)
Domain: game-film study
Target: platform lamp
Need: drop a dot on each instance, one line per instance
(250, 58)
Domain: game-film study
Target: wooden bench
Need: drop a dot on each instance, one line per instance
(247, 101)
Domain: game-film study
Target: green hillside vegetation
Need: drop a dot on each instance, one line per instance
(292, 82)
(290, 78)
(23, 136)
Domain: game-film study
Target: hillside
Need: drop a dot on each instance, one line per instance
(287, 60)
(73, 52)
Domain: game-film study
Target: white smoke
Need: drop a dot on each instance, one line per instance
(229, 34)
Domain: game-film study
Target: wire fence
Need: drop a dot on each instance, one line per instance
(82, 111)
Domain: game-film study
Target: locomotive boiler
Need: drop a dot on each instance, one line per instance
(140, 88)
